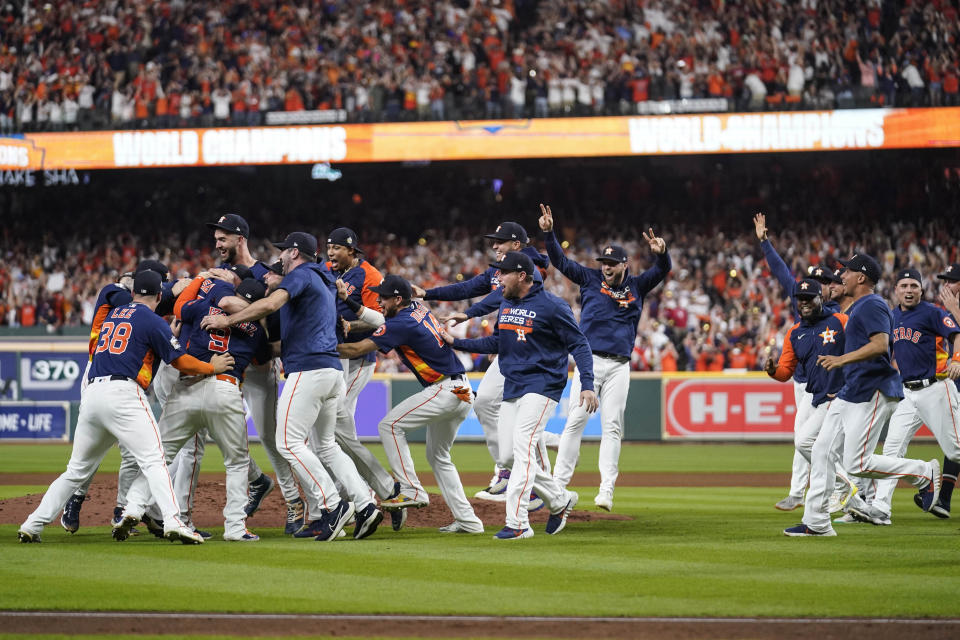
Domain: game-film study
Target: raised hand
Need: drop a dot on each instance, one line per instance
(418, 292)
(760, 226)
(546, 218)
(657, 245)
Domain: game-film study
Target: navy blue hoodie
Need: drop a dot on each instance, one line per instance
(484, 284)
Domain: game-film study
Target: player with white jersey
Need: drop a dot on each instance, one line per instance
(922, 333)
(414, 333)
(611, 301)
(536, 334)
(863, 407)
(132, 340)
(311, 394)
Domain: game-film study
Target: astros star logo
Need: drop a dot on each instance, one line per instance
(827, 336)
(804, 286)
(608, 251)
(222, 218)
(819, 272)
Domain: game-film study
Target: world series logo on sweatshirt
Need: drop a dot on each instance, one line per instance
(519, 321)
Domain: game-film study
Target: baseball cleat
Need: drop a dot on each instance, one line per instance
(121, 531)
(486, 495)
(604, 501)
(789, 503)
(398, 518)
(871, 514)
(500, 486)
(557, 521)
(834, 505)
(311, 529)
(334, 520)
(535, 504)
(259, 489)
(295, 516)
(509, 533)
(940, 509)
(203, 534)
(846, 518)
(183, 534)
(367, 520)
(396, 490)
(802, 530)
(462, 527)
(930, 493)
(153, 525)
(26, 537)
(247, 536)
(403, 502)
(117, 517)
(70, 520)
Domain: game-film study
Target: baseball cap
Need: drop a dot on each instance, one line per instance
(147, 283)
(276, 267)
(251, 289)
(514, 261)
(909, 273)
(344, 237)
(807, 288)
(952, 273)
(823, 275)
(301, 240)
(612, 253)
(155, 266)
(393, 286)
(865, 264)
(509, 231)
(232, 223)
(243, 271)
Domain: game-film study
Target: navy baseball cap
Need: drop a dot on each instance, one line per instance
(612, 253)
(232, 223)
(344, 237)
(952, 273)
(243, 271)
(509, 231)
(515, 261)
(155, 266)
(251, 289)
(276, 267)
(823, 275)
(913, 274)
(866, 265)
(147, 283)
(807, 288)
(301, 240)
(393, 286)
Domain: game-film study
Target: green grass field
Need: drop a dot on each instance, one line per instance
(709, 551)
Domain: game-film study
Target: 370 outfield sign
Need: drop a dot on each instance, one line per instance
(728, 408)
(486, 139)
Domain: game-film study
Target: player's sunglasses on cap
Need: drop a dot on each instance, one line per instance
(147, 283)
(251, 289)
(912, 274)
(231, 223)
(807, 288)
(243, 271)
(155, 266)
(345, 238)
(612, 253)
(952, 273)
(824, 275)
(509, 231)
(276, 267)
(301, 240)
(865, 264)
(393, 286)
(514, 261)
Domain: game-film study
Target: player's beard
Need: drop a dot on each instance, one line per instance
(230, 255)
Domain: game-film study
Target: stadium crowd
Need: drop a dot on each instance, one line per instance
(69, 64)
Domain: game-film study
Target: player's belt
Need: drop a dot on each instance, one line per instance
(108, 379)
(916, 385)
(611, 356)
(226, 378)
(220, 376)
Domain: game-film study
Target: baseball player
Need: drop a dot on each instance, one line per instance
(949, 298)
(311, 394)
(212, 403)
(921, 334)
(611, 301)
(536, 332)
(358, 276)
(415, 334)
(132, 340)
(864, 405)
(508, 236)
(800, 470)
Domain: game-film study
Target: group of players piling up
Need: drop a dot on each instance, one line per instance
(235, 330)
(841, 354)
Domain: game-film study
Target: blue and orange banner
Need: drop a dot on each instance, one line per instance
(485, 140)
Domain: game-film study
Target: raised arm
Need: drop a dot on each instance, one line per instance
(574, 271)
(478, 285)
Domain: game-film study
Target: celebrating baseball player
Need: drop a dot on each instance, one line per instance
(311, 394)
(921, 331)
(950, 298)
(864, 405)
(132, 340)
(536, 332)
(611, 302)
(415, 334)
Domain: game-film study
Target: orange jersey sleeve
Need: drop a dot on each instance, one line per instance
(188, 294)
(788, 358)
(371, 278)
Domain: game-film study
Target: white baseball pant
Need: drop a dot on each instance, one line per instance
(612, 383)
(937, 406)
(441, 411)
(111, 411)
(206, 403)
(522, 421)
(260, 393)
(800, 471)
(308, 412)
(356, 374)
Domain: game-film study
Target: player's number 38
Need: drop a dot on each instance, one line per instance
(114, 337)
